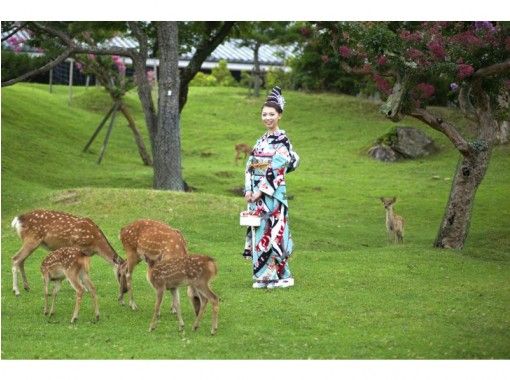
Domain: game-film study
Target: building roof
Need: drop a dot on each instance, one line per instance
(229, 50)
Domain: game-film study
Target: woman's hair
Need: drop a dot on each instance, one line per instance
(274, 105)
(275, 100)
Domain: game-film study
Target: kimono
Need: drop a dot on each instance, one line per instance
(271, 158)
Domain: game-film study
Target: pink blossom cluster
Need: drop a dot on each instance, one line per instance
(423, 91)
(408, 36)
(344, 51)
(468, 39)
(16, 43)
(382, 60)
(382, 84)
(464, 70)
(437, 49)
(117, 60)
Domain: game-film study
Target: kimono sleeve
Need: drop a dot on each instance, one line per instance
(247, 175)
(275, 174)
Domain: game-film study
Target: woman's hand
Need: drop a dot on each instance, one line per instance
(247, 196)
(256, 196)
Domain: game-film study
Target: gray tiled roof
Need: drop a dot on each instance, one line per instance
(228, 50)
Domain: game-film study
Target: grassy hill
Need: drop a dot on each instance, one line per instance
(355, 295)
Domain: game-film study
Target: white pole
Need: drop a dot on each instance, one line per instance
(71, 66)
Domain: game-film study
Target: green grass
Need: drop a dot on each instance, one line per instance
(355, 295)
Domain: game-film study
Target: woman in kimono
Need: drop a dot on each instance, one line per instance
(271, 159)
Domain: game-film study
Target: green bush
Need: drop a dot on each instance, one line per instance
(223, 75)
(16, 64)
(204, 80)
(278, 77)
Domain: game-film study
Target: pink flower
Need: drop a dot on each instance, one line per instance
(464, 70)
(406, 35)
(344, 51)
(382, 60)
(437, 49)
(91, 57)
(116, 58)
(382, 84)
(414, 54)
(467, 39)
(423, 90)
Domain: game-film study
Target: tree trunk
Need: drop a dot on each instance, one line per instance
(144, 155)
(167, 147)
(470, 172)
(455, 225)
(503, 133)
(256, 71)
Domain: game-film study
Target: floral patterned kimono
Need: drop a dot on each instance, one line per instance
(271, 158)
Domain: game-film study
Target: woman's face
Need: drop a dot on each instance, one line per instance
(270, 118)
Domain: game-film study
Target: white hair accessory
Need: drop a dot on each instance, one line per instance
(276, 97)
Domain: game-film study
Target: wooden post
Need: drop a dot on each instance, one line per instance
(71, 67)
(51, 81)
(99, 128)
(107, 137)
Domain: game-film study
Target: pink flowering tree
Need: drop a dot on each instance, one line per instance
(407, 61)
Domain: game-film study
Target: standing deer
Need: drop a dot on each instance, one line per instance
(73, 264)
(196, 271)
(394, 222)
(150, 240)
(53, 230)
(242, 149)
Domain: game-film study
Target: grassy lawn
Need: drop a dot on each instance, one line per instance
(356, 296)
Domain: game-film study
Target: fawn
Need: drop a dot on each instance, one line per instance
(73, 264)
(149, 240)
(242, 149)
(394, 222)
(196, 271)
(53, 230)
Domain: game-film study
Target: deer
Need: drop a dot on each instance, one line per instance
(73, 264)
(242, 149)
(53, 230)
(146, 239)
(196, 271)
(394, 222)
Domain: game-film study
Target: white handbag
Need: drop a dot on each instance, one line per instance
(247, 218)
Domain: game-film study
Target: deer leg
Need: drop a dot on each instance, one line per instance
(46, 293)
(56, 288)
(177, 305)
(176, 299)
(129, 275)
(79, 295)
(201, 311)
(18, 263)
(195, 299)
(215, 308)
(159, 298)
(90, 286)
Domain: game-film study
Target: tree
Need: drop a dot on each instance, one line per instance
(71, 38)
(257, 33)
(406, 60)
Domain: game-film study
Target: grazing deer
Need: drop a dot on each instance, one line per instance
(53, 230)
(196, 271)
(73, 264)
(149, 240)
(242, 149)
(394, 222)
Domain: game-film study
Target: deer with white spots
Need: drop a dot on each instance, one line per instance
(150, 240)
(53, 230)
(73, 264)
(195, 271)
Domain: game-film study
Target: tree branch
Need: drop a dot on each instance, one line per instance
(496, 69)
(465, 104)
(41, 69)
(14, 31)
(444, 127)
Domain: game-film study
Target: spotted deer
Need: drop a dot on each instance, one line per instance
(242, 149)
(72, 264)
(394, 222)
(196, 271)
(147, 239)
(53, 230)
